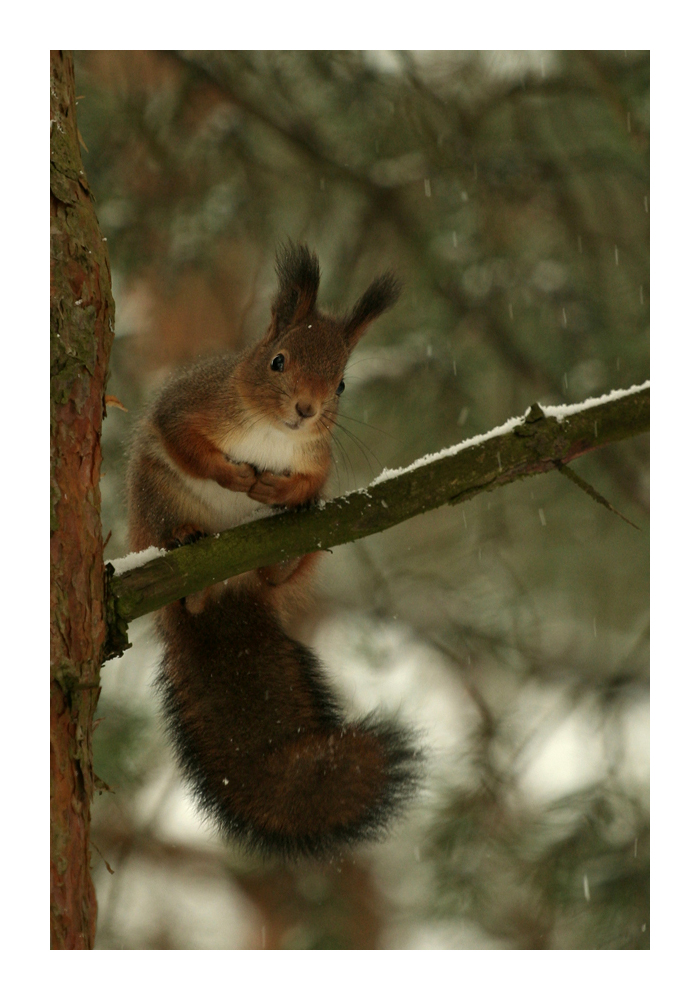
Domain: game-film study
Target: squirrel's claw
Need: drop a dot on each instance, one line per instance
(183, 535)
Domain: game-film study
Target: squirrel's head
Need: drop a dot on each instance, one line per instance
(295, 374)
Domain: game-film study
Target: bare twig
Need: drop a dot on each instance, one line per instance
(592, 492)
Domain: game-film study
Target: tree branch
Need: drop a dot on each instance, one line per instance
(544, 439)
(593, 493)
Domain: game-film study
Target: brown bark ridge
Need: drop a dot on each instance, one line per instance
(82, 329)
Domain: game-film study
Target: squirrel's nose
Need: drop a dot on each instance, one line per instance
(305, 408)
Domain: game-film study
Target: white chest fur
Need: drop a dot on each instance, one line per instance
(264, 446)
(217, 509)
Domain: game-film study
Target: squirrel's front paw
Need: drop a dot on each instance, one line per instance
(183, 535)
(272, 488)
(239, 477)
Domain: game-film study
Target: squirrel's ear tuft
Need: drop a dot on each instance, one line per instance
(299, 275)
(381, 294)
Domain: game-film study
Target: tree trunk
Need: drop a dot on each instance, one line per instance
(82, 329)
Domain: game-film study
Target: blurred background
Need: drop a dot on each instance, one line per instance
(510, 191)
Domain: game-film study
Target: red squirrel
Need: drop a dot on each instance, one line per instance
(257, 730)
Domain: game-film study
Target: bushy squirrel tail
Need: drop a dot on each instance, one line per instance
(262, 741)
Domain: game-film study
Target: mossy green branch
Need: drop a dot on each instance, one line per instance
(535, 444)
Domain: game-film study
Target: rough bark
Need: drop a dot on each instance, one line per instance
(82, 325)
(537, 444)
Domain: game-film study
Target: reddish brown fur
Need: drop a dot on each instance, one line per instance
(191, 447)
(257, 730)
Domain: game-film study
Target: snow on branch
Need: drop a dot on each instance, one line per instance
(545, 438)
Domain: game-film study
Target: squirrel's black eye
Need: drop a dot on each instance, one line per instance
(278, 363)
(340, 389)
